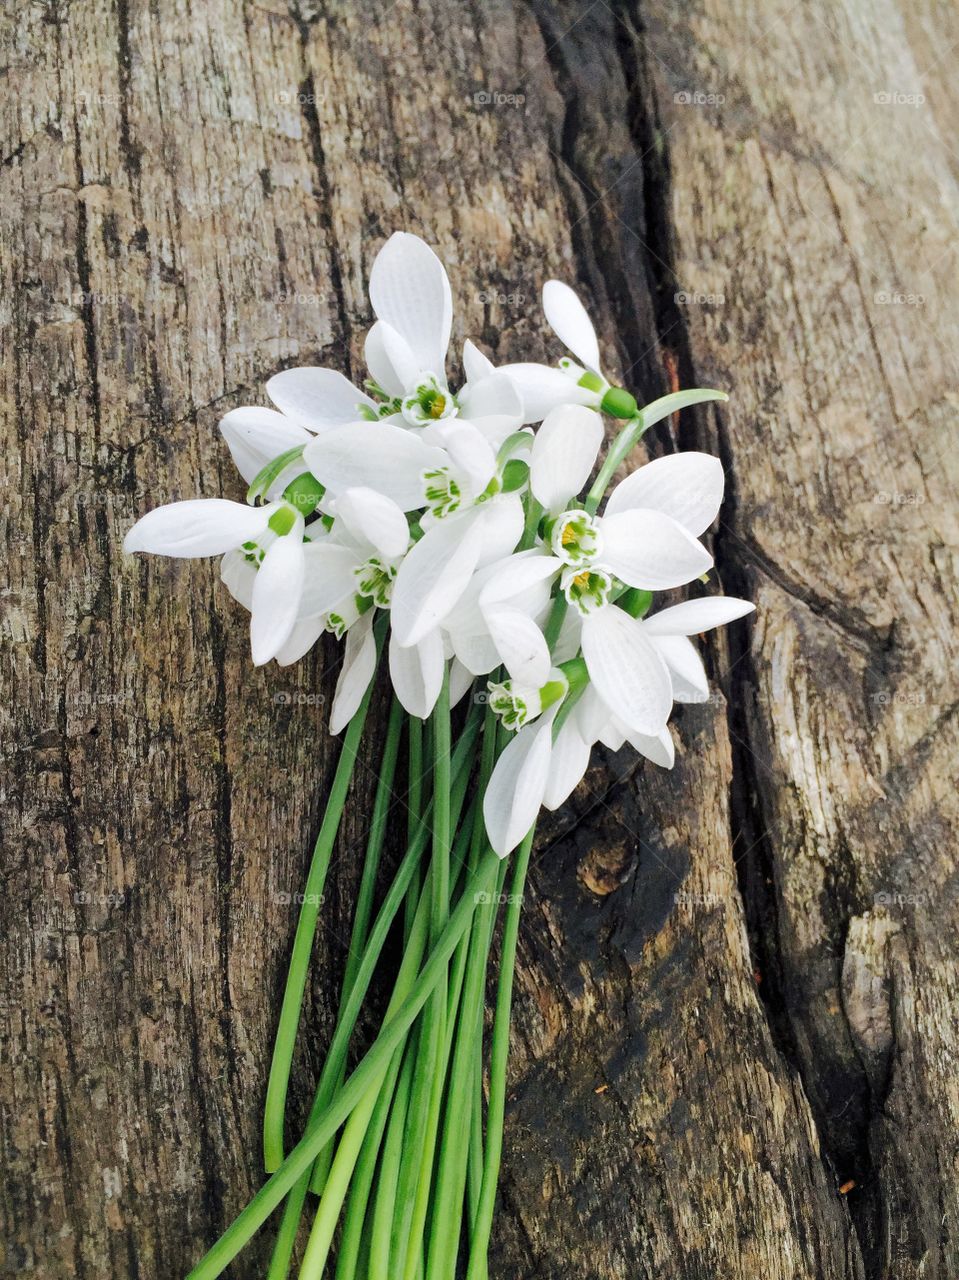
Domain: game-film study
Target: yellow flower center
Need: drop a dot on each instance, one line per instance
(438, 406)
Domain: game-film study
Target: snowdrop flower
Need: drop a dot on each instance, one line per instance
(668, 631)
(423, 445)
(646, 538)
(543, 387)
(543, 765)
(268, 539)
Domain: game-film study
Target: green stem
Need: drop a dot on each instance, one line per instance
(351, 1143)
(293, 1209)
(385, 1208)
(353, 1240)
(413, 1127)
(275, 1108)
(447, 1208)
(249, 1221)
(414, 800)
(364, 901)
(453, 1156)
(499, 1057)
(427, 1094)
(474, 1168)
(350, 1008)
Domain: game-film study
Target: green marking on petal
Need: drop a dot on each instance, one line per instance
(443, 494)
(283, 520)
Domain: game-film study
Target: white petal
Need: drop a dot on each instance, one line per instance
(520, 644)
(567, 317)
(567, 646)
(592, 715)
(434, 575)
(564, 453)
(461, 678)
(649, 550)
(493, 405)
(328, 577)
(694, 616)
(374, 519)
(476, 652)
(417, 673)
(517, 575)
(613, 734)
(688, 487)
(628, 673)
(316, 398)
(541, 388)
(400, 357)
(199, 527)
(374, 455)
(238, 575)
(568, 764)
(276, 596)
(659, 749)
(359, 665)
(255, 436)
(681, 658)
(518, 783)
(409, 289)
(389, 363)
(302, 639)
(502, 524)
(476, 365)
(469, 451)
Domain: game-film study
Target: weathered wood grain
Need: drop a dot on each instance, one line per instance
(735, 1049)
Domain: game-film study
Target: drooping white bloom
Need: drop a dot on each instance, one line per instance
(542, 766)
(669, 630)
(428, 447)
(269, 539)
(646, 538)
(255, 436)
(544, 387)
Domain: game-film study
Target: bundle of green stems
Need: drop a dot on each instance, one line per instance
(398, 1163)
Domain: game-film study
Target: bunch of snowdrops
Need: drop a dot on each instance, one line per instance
(482, 561)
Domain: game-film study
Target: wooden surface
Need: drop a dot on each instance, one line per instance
(736, 1038)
